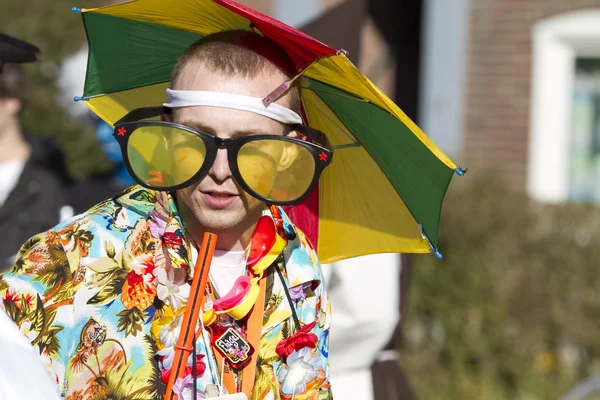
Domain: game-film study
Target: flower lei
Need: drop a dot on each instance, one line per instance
(303, 338)
(301, 372)
(173, 289)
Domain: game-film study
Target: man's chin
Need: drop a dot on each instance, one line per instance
(218, 221)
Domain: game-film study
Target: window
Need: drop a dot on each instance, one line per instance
(562, 156)
(584, 156)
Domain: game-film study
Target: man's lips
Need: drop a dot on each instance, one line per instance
(219, 193)
(218, 199)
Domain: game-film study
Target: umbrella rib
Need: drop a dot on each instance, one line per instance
(343, 146)
(336, 94)
(353, 141)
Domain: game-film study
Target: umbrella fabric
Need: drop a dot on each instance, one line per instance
(384, 190)
(13, 50)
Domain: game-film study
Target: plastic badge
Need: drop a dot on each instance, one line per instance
(234, 347)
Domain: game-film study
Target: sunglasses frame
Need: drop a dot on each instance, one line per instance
(319, 148)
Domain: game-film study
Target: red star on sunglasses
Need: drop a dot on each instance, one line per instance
(323, 157)
(121, 131)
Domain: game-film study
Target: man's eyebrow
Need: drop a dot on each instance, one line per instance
(254, 132)
(200, 126)
(239, 133)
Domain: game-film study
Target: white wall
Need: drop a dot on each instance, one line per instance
(296, 12)
(443, 72)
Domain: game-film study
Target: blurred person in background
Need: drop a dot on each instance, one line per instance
(24, 184)
(22, 375)
(367, 310)
(32, 189)
(100, 186)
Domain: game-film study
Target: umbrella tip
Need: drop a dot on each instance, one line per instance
(80, 98)
(76, 9)
(431, 248)
(459, 171)
(435, 252)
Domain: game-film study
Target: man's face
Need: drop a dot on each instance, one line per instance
(217, 201)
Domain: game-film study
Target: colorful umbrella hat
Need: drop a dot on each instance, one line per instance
(384, 190)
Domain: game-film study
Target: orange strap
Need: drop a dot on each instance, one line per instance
(185, 342)
(253, 332)
(255, 323)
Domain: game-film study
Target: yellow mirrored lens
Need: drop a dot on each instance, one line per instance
(276, 169)
(165, 156)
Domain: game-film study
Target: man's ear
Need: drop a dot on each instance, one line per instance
(167, 117)
(288, 156)
(289, 152)
(294, 134)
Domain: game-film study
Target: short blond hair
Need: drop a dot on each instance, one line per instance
(240, 53)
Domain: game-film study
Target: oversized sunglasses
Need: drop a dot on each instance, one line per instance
(166, 156)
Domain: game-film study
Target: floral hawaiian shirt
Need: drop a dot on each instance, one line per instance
(95, 297)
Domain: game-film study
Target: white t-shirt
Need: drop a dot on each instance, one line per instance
(10, 171)
(225, 268)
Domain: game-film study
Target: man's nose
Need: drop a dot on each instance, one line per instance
(220, 169)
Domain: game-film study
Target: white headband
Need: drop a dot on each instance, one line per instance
(187, 98)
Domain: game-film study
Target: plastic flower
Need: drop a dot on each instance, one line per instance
(302, 367)
(165, 363)
(165, 329)
(304, 338)
(200, 365)
(170, 332)
(184, 388)
(166, 357)
(299, 292)
(171, 293)
(158, 224)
